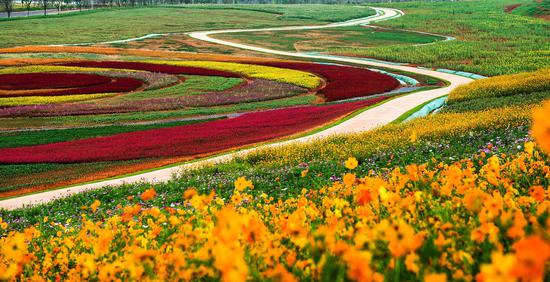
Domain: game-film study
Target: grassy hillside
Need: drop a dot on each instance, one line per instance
(536, 8)
(489, 41)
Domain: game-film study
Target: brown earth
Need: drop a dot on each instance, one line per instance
(510, 8)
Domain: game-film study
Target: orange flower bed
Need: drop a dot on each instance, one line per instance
(129, 52)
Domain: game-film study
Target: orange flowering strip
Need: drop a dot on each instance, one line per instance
(130, 52)
(370, 228)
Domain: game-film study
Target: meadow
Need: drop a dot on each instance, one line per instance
(490, 41)
(123, 23)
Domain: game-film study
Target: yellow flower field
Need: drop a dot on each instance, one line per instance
(430, 220)
(504, 85)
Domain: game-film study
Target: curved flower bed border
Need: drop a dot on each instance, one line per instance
(343, 82)
(187, 140)
(161, 68)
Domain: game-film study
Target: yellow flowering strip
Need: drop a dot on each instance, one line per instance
(441, 124)
(299, 78)
(504, 85)
(37, 100)
(484, 219)
(46, 68)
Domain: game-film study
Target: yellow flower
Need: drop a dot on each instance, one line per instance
(95, 205)
(413, 137)
(351, 163)
(304, 172)
(349, 179)
(435, 277)
(241, 184)
(410, 262)
(499, 270)
(529, 147)
(541, 126)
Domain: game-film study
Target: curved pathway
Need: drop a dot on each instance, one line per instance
(367, 120)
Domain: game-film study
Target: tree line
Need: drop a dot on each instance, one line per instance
(28, 5)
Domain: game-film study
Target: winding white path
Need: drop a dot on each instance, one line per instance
(367, 120)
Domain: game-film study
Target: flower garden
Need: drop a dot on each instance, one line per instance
(232, 103)
(461, 194)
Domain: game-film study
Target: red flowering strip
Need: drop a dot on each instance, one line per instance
(151, 68)
(32, 81)
(186, 140)
(344, 82)
(115, 85)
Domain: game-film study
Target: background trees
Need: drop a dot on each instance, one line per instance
(7, 5)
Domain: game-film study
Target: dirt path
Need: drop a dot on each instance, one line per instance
(367, 120)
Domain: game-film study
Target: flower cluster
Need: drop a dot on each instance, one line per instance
(483, 219)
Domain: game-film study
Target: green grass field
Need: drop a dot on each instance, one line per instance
(114, 24)
(490, 41)
(325, 39)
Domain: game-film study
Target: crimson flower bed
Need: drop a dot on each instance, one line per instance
(151, 68)
(114, 85)
(32, 81)
(186, 140)
(343, 82)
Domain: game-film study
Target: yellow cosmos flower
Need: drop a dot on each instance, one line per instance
(95, 205)
(541, 126)
(241, 184)
(351, 163)
(349, 179)
(435, 277)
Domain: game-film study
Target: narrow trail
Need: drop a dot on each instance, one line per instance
(366, 120)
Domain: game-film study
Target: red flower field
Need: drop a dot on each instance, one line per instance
(151, 68)
(186, 140)
(113, 85)
(32, 81)
(343, 82)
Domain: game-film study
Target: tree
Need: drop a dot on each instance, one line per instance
(8, 6)
(27, 4)
(45, 6)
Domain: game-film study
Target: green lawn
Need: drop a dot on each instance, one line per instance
(114, 24)
(193, 85)
(324, 39)
(490, 41)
